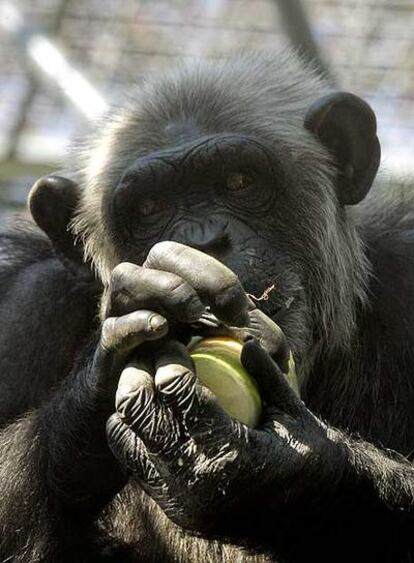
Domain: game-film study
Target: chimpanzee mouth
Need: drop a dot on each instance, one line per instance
(210, 325)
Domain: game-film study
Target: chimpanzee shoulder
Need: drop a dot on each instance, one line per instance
(21, 243)
(369, 387)
(46, 312)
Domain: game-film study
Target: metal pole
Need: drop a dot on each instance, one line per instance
(296, 24)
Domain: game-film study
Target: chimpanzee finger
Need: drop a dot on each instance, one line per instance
(178, 387)
(130, 451)
(216, 284)
(139, 408)
(120, 335)
(270, 337)
(174, 376)
(135, 392)
(273, 386)
(133, 287)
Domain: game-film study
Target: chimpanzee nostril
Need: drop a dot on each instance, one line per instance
(214, 243)
(208, 237)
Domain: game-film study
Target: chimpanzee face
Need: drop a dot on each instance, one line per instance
(241, 171)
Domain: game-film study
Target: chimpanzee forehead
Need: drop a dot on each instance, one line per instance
(182, 131)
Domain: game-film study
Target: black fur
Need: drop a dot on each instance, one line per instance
(344, 299)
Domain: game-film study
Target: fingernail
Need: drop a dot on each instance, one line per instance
(157, 323)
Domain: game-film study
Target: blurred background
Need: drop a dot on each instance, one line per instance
(63, 61)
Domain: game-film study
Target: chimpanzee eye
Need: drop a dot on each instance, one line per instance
(238, 182)
(148, 206)
(154, 210)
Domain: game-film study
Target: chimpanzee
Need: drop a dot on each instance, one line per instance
(214, 181)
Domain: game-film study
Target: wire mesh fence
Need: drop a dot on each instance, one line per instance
(368, 45)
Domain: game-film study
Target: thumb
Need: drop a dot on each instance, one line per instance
(273, 386)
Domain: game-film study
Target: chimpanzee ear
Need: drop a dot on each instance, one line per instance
(347, 126)
(52, 203)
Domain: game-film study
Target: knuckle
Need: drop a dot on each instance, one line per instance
(181, 377)
(182, 292)
(114, 427)
(157, 251)
(168, 282)
(232, 288)
(179, 286)
(135, 407)
(160, 247)
(233, 278)
(172, 378)
(108, 332)
(120, 272)
(162, 251)
(182, 295)
(232, 302)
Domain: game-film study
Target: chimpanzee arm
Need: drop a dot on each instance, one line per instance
(351, 503)
(56, 473)
(34, 525)
(375, 502)
(56, 470)
(355, 503)
(348, 493)
(46, 313)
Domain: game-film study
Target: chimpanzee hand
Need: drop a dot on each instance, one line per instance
(207, 471)
(142, 304)
(171, 289)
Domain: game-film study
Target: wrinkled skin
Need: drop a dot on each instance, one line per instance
(203, 468)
